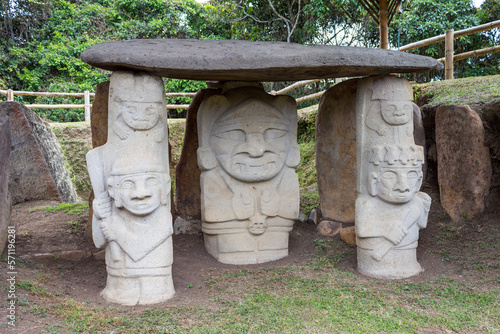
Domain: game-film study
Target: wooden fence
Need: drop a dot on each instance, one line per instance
(448, 38)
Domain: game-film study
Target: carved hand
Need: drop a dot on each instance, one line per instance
(396, 233)
(107, 229)
(269, 203)
(102, 206)
(243, 206)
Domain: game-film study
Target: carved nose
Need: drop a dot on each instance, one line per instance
(255, 145)
(402, 185)
(141, 192)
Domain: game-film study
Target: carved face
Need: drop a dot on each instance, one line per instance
(396, 112)
(251, 148)
(140, 115)
(398, 184)
(140, 194)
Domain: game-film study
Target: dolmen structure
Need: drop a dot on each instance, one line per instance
(247, 156)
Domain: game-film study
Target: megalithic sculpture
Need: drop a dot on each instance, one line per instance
(130, 178)
(390, 210)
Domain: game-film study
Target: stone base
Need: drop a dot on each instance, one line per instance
(246, 248)
(131, 291)
(396, 264)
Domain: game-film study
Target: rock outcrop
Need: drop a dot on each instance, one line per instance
(37, 166)
(464, 165)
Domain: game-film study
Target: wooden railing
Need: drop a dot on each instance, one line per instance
(448, 37)
(87, 106)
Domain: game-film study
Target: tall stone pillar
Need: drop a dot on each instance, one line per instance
(249, 189)
(390, 210)
(5, 198)
(131, 182)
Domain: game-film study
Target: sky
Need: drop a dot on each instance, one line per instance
(478, 3)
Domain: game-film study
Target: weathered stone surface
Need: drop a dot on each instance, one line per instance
(226, 60)
(99, 116)
(5, 199)
(99, 128)
(37, 166)
(329, 228)
(336, 152)
(130, 178)
(348, 235)
(187, 173)
(249, 189)
(390, 210)
(464, 165)
(419, 134)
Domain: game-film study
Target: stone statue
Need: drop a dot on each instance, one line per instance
(130, 178)
(249, 189)
(390, 210)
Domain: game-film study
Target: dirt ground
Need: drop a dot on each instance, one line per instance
(466, 251)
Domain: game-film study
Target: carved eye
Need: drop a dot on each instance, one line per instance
(130, 110)
(412, 175)
(235, 135)
(390, 108)
(389, 175)
(407, 108)
(150, 110)
(152, 181)
(127, 184)
(271, 134)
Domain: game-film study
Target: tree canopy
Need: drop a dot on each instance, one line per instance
(41, 41)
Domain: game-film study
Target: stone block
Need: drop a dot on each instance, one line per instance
(5, 199)
(336, 152)
(249, 189)
(464, 163)
(131, 182)
(37, 167)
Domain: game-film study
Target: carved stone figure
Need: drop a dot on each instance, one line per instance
(249, 189)
(130, 178)
(390, 210)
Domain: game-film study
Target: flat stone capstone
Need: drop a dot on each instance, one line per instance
(226, 60)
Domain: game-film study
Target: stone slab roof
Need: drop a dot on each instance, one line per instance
(224, 60)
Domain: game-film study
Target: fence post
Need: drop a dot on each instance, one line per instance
(10, 95)
(384, 25)
(86, 95)
(448, 55)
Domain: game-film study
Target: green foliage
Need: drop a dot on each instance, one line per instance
(70, 208)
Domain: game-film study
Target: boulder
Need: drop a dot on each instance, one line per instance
(37, 167)
(5, 199)
(233, 60)
(187, 173)
(464, 163)
(329, 228)
(336, 152)
(348, 235)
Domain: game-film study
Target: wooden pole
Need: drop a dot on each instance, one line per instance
(384, 25)
(475, 53)
(10, 95)
(448, 55)
(87, 105)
